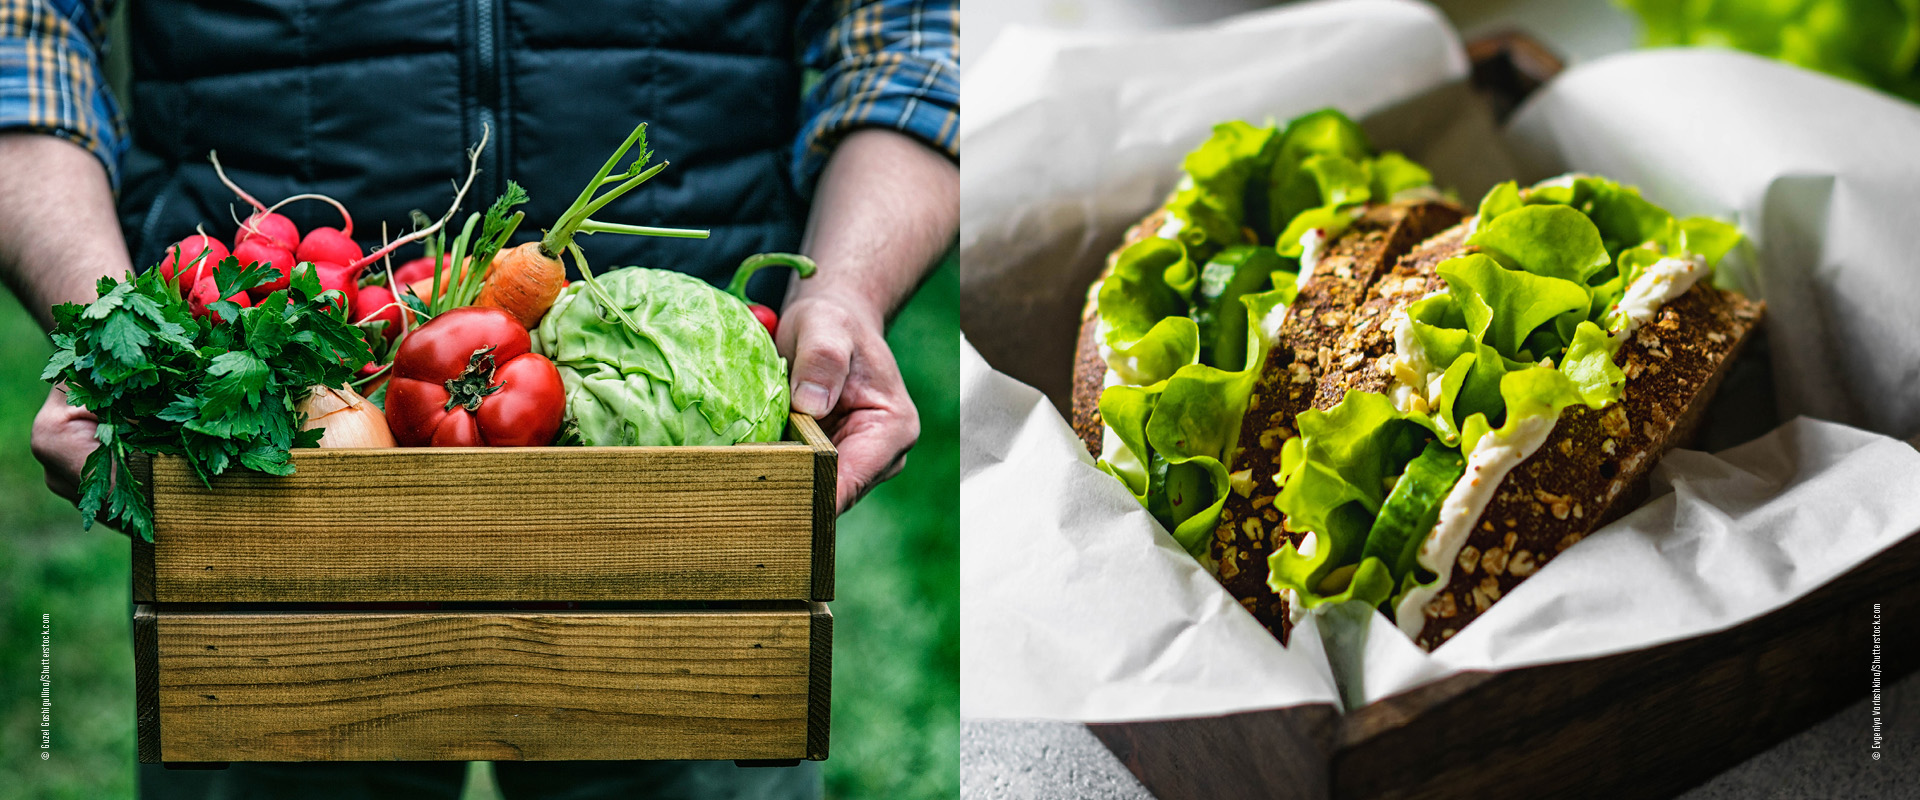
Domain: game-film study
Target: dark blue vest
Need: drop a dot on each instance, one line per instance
(375, 103)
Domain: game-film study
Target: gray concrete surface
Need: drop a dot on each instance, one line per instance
(1006, 760)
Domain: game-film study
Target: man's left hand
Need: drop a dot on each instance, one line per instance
(845, 376)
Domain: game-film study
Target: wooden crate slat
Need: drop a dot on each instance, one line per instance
(483, 685)
(493, 524)
(826, 474)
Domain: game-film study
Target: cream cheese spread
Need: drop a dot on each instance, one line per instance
(1487, 466)
(1662, 281)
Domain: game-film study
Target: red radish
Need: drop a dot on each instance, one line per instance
(344, 279)
(205, 292)
(258, 251)
(277, 230)
(377, 302)
(274, 229)
(766, 317)
(330, 245)
(422, 267)
(183, 254)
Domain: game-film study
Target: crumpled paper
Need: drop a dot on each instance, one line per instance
(1076, 606)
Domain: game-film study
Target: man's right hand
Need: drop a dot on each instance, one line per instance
(58, 235)
(62, 440)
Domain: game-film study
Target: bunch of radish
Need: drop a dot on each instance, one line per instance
(268, 237)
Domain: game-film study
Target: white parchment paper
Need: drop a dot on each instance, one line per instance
(1076, 606)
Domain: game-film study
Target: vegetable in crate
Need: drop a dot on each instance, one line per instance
(468, 379)
(652, 357)
(221, 391)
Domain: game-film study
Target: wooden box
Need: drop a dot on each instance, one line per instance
(549, 603)
(1644, 724)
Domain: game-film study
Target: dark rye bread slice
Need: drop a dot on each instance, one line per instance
(1329, 343)
(1592, 468)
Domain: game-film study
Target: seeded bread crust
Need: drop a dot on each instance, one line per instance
(1327, 352)
(1089, 369)
(1592, 468)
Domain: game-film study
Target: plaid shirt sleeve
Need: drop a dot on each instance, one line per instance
(51, 79)
(883, 63)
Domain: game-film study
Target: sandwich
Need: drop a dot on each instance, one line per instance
(1333, 383)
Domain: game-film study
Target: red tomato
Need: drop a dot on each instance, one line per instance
(468, 378)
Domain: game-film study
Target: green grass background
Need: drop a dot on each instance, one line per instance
(896, 694)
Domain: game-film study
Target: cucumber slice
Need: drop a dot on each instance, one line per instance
(1413, 507)
(1217, 310)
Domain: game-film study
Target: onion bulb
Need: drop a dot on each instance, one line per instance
(349, 419)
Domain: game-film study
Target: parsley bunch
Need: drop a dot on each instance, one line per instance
(218, 391)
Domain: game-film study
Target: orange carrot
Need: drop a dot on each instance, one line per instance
(524, 282)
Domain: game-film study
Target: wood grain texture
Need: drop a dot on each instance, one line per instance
(146, 684)
(495, 524)
(1644, 724)
(485, 685)
(1279, 754)
(820, 682)
(826, 509)
(140, 466)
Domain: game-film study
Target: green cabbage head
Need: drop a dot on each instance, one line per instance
(695, 368)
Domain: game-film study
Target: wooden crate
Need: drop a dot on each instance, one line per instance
(1644, 724)
(549, 603)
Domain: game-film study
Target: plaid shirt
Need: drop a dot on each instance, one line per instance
(882, 63)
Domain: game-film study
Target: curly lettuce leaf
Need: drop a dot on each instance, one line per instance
(1393, 173)
(1222, 173)
(1546, 240)
(1707, 237)
(1501, 305)
(1126, 410)
(1333, 481)
(1499, 200)
(1177, 434)
(1329, 220)
(1171, 343)
(1589, 364)
(1142, 307)
(1346, 452)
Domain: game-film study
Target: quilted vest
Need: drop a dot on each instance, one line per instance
(376, 103)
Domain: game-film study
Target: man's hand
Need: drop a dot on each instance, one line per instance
(62, 440)
(887, 208)
(58, 235)
(844, 375)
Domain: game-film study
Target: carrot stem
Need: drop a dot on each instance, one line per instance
(615, 192)
(600, 292)
(595, 226)
(555, 245)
